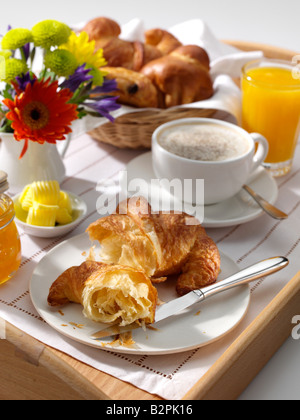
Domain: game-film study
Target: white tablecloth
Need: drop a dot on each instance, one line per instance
(171, 376)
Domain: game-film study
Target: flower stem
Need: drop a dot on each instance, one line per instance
(22, 54)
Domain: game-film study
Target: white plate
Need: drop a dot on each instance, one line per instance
(188, 330)
(237, 210)
(79, 211)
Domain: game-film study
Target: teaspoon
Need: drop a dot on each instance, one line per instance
(265, 205)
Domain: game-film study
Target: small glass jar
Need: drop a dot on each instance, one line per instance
(10, 245)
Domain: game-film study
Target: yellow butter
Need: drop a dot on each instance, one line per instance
(42, 215)
(46, 204)
(63, 217)
(46, 192)
(26, 198)
(65, 201)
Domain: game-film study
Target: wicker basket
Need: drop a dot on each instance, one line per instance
(134, 130)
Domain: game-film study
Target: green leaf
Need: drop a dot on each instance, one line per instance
(7, 92)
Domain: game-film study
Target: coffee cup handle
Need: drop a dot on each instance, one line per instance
(262, 150)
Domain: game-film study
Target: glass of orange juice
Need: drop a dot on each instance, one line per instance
(271, 107)
(10, 246)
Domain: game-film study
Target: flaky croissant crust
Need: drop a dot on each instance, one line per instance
(108, 293)
(70, 284)
(161, 243)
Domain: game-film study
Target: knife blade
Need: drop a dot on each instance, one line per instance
(4, 186)
(254, 272)
(3, 182)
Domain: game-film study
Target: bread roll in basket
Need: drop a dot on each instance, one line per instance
(155, 77)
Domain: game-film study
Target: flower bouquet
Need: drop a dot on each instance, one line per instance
(51, 76)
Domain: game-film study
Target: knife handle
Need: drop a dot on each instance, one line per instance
(254, 272)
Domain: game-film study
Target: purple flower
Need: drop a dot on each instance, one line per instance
(75, 80)
(24, 80)
(107, 86)
(104, 106)
(26, 51)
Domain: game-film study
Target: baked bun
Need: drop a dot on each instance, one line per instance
(134, 89)
(162, 40)
(118, 52)
(182, 76)
(102, 28)
(108, 293)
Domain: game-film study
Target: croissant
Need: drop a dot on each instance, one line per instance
(108, 293)
(130, 55)
(182, 76)
(160, 243)
(118, 52)
(134, 88)
(162, 40)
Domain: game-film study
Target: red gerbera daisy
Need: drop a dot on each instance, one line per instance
(41, 113)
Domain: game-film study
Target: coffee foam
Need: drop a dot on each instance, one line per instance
(204, 142)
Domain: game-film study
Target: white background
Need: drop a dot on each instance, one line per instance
(274, 22)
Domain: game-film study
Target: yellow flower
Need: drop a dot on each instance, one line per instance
(61, 62)
(98, 75)
(50, 33)
(84, 50)
(11, 68)
(5, 54)
(16, 38)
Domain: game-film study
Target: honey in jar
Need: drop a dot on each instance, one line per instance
(10, 245)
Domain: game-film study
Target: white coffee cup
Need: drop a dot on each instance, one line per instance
(222, 179)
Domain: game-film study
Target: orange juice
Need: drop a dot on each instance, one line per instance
(271, 107)
(10, 246)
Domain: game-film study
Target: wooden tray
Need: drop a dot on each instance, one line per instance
(52, 374)
(55, 375)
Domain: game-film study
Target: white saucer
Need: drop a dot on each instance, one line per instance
(237, 210)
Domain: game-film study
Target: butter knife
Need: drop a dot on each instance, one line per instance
(3, 182)
(254, 272)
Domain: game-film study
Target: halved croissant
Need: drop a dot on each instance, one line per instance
(161, 244)
(108, 293)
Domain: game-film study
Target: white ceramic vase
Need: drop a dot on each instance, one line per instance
(41, 162)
